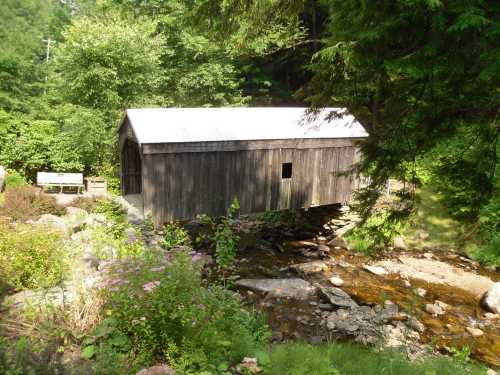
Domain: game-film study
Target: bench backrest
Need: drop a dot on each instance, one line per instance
(55, 178)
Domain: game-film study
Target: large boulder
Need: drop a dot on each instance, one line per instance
(157, 370)
(3, 176)
(53, 221)
(491, 299)
(309, 267)
(292, 288)
(336, 296)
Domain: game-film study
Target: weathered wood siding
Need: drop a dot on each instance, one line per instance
(186, 184)
(181, 180)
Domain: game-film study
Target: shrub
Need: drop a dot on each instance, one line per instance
(14, 179)
(175, 235)
(172, 316)
(226, 240)
(30, 257)
(112, 210)
(88, 204)
(28, 202)
(375, 232)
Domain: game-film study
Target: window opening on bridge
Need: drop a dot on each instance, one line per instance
(286, 170)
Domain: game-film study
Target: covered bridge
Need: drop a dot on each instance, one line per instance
(180, 162)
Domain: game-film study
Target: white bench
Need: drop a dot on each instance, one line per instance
(44, 179)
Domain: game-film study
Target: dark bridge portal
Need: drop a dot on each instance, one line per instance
(131, 168)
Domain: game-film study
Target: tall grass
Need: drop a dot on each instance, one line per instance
(348, 359)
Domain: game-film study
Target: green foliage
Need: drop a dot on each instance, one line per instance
(14, 179)
(27, 202)
(299, 359)
(109, 63)
(22, 358)
(283, 217)
(377, 231)
(30, 257)
(25, 23)
(226, 240)
(171, 315)
(175, 235)
(390, 65)
(348, 359)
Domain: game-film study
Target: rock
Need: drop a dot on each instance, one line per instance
(292, 288)
(336, 296)
(415, 324)
(406, 283)
(442, 305)
(306, 244)
(428, 255)
(309, 267)
(338, 222)
(76, 211)
(399, 243)
(491, 316)
(53, 221)
(96, 219)
(76, 218)
(421, 292)
(491, 372)
(249, 366)
(321, 238)
(131, 235)
(435, 309)
(56, 296)
(157, 370)
(326, 306)
(490, 301)
(3, 176)
(323, 249)
(336, 281)
(342, 231)
(362, 323)
(90, 260)
(376, 270)
(400, 336)
(339, 242)
(423, 235)
(475, 332)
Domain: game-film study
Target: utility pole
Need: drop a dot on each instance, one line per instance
(47, 41)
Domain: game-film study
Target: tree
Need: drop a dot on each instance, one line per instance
(110, 63)
(415, 73)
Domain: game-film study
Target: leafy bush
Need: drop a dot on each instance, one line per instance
(175, 235)
(28, 202)
(21, 358)
(171, 315)
(226, 240)
(14, 179)
(30, 257)
(377, 231)
(88, 204)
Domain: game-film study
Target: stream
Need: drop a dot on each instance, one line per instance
(268, 249)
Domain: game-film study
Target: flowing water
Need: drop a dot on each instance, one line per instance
(268, 253)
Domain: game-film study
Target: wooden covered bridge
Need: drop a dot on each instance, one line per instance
(180, 162)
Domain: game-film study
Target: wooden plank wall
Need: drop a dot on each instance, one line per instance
(182, 185)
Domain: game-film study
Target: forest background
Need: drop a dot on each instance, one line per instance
(421, 75)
